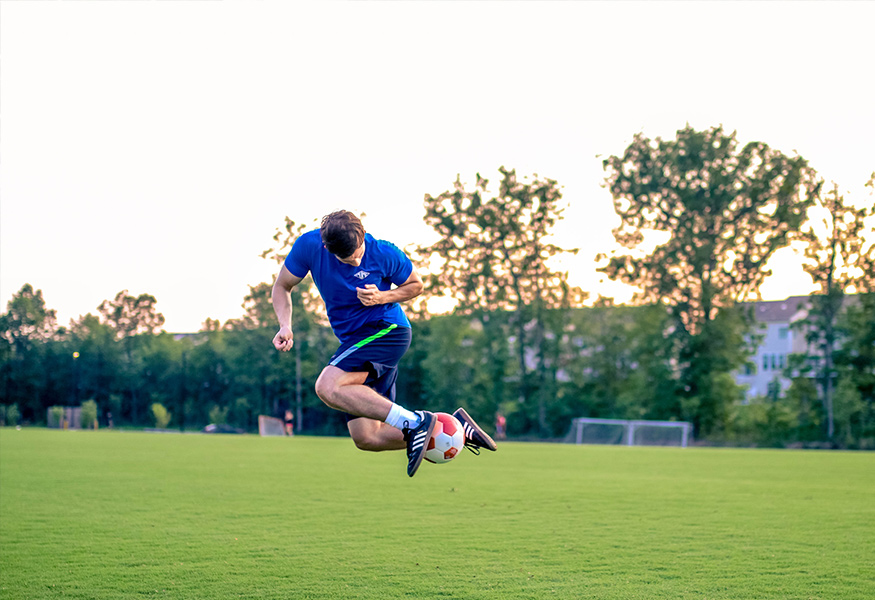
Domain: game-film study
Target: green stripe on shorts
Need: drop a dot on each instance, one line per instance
(363, 342)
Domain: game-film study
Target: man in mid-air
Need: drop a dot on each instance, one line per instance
(355, 274)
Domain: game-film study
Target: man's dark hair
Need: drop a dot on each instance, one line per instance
(342, 233)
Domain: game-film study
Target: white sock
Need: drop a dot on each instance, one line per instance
(398, 416)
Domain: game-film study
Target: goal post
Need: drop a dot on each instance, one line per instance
(585, 430)
(270, 426)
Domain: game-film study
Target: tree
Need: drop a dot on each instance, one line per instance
(25, 329)
(101, 359)
(258, 310)
(856, 358)
(835, 256)
(458, 365)
(618, 363)
(838, 253)
(27, 320)
(132, 315)
(129, 317)
(494, 256)
(725, 211)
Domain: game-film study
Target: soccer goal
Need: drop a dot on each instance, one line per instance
(270, 426)
(631, 433)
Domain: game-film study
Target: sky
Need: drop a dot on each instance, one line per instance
(157, 147)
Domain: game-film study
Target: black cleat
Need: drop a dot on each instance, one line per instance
(417, 440)
(475, 437)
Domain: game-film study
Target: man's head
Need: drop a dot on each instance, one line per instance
(342, 233)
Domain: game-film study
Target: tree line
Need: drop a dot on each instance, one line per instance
(519, 340)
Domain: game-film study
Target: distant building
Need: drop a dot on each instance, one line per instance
(775, 319)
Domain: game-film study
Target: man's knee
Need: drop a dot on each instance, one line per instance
(326, 386)
(331, 382)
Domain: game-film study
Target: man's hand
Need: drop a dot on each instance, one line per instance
(281, 298)
(370, 295)
(284, 339)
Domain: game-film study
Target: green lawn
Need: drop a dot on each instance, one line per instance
(129, 515)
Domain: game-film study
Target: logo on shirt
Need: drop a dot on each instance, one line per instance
(362, 275)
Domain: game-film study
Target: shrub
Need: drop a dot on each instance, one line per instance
(762, 422)
(56, 416)
(161, 416)
(8, 415)
(88, 414)
(218, 415)
(849, 407)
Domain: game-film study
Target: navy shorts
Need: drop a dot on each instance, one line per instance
(375, 349)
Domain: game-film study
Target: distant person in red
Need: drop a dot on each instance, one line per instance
(500, 424)
(289, 422)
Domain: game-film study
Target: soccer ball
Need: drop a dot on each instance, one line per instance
(447, 441)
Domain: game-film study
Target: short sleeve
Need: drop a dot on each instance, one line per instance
(399, 265)
(298, 260)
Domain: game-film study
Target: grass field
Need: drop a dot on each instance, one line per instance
(131, 515)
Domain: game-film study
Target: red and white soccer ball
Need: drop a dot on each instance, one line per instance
(447, 441)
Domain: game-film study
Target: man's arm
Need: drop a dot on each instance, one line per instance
(370, 295)
(281, 296)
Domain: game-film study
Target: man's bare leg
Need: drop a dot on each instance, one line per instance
(346, 391)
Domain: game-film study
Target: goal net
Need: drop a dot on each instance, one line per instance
(270, 426)
(630, 433)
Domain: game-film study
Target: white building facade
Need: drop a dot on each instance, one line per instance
(779, 340)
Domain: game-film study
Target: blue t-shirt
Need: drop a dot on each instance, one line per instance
(382, 265)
